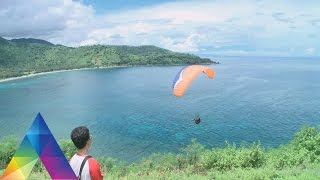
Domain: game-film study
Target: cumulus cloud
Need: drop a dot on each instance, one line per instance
(190, 44)
(224, 27)
(44, 18)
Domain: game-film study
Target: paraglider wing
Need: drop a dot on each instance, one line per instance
(186, 75)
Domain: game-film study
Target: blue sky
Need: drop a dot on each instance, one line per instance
(107, 6)
(227, 28)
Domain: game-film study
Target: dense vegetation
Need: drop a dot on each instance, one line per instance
(300, 159)
(27, 56)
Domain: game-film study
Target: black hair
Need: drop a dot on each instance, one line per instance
(80, 136)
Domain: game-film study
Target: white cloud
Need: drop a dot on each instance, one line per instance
(190, 44)
(88, 42)
(40, 18)
(243, 27)
(310, 51)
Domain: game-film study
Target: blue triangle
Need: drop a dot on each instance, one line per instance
(39, 126)
(38, 142)
(51, 148)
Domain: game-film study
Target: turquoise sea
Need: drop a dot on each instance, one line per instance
(131, 112)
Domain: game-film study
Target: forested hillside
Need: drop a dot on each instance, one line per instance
(27, 56)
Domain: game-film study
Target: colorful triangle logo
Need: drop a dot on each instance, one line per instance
(38, 143)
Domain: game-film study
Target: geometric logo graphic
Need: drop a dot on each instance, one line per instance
(38, 143)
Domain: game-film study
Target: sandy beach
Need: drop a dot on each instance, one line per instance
(50, 72)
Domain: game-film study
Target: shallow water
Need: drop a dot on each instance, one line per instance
(131, 112)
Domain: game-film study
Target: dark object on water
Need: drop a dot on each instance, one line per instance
(197, 120)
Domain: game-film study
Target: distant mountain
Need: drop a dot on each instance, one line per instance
(3, 41)
(26, 56)
(31, 40)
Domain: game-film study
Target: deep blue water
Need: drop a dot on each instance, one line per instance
(132, 112)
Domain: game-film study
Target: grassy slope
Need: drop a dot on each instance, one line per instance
(309, 172)
(300, 159)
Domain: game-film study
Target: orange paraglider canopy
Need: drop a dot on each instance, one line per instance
(186, 75)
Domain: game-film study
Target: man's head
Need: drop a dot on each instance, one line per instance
(80, 137)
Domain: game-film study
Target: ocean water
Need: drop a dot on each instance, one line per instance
(131, 112)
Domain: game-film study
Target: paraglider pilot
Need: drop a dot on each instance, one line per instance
(197, 119)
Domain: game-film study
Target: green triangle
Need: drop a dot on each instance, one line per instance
(27, 168)
(26, 149)
(23, 161)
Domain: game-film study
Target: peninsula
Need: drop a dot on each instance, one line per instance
(23, 57)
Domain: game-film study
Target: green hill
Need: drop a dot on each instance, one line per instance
(25, 56)
(31, 40)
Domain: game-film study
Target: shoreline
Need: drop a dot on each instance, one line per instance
(79, 69)
(56, 71)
